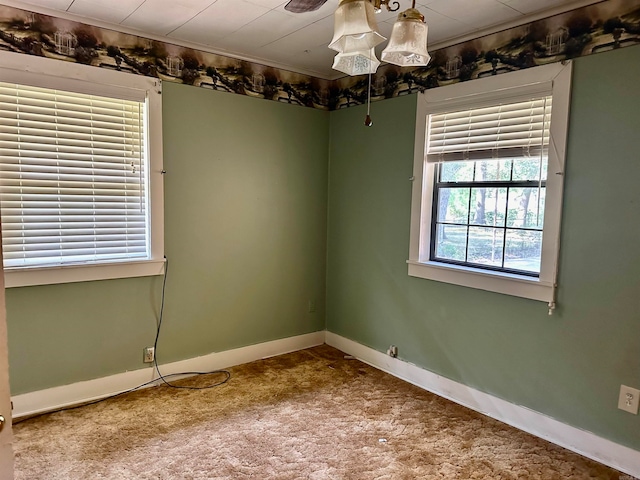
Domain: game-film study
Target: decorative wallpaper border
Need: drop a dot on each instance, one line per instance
(607, 25)
(600, 27)
(43, 35)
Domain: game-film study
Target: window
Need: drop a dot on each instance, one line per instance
(489, 213)
(80, 174)
(488, 182)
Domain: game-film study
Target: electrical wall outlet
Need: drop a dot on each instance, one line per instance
(629, 398)
(148, 355)
(392, 351)
(312, 306)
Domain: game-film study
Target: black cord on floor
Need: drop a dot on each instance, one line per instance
(227, 375)
(161, 377)
(86, 404)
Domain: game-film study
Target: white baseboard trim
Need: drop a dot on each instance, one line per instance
(58, 397)
(585, 443)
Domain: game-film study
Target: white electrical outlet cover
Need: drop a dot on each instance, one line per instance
(629, 399)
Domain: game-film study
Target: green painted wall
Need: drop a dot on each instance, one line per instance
(245, 218)
(569, 365)
(245, 213)
(246, 190)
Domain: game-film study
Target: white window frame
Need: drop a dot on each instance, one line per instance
(49, 73)
(553, 79)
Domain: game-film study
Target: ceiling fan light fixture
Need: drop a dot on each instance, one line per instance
(355, 27)
(357, 63)
(408, 43)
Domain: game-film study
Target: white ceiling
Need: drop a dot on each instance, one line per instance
(263, 31)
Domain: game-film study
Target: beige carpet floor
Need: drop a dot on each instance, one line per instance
(306, 415)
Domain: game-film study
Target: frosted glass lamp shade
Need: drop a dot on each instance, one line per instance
(356, 63)
(355, 27)
(408, 43)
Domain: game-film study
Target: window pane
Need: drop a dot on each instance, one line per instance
(491, 170)
(451, 242)
(453, 205)
(456, 171)
(529, 168)
(488, 206)
(522, 250)
(485, 246)
(525, 209)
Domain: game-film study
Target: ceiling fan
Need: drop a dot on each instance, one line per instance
(356, 35)
(302, 6)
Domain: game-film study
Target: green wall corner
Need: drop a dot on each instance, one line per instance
(569, 365)
(247, 192)
(245, 236)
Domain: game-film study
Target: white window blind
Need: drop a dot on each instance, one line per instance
(499, 131)
(72, 178)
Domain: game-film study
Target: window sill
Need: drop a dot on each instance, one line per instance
(26, 277)
(507, 284)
